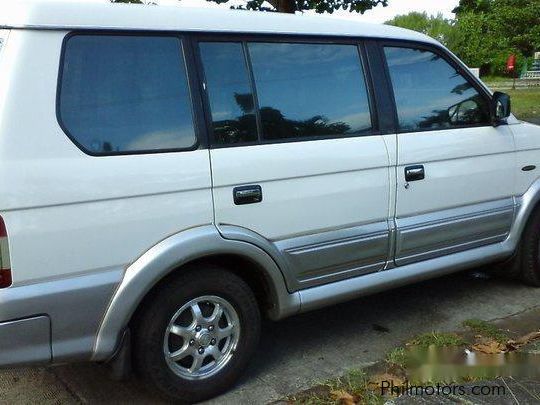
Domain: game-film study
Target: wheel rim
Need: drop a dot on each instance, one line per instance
(201, 337)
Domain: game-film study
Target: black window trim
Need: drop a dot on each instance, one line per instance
(378, 93)
(447, 57)
(192, 82)
(244, 39)
(382, 92)
(254, 93)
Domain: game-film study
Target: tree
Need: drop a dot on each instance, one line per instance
(436, 27)
(488, 31)
(517, 23)
(485, 32)
(473, 42)
(291, 6)
(472, 6)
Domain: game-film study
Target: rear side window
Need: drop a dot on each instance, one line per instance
(126, 94)
(310, 90)
(431, 94)
(304, 91)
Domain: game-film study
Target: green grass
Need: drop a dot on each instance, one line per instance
(525, 102)
(486, 329)
(398, 356)
(355, 383)
(363, 387)
(437, 339)
(495, 79)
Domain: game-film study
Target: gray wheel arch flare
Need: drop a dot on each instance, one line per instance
(169, 255)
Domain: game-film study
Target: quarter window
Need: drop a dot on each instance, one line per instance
(430, 93)
(310, 90)
(122, 94)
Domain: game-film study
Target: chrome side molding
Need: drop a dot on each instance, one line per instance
(427, 236)
(318, 297)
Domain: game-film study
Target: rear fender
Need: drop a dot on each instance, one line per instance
(169, 255)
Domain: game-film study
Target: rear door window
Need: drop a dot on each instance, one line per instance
(310, 90)
(297, 91)
(126, 94)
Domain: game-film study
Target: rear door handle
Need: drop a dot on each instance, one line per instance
(247, 195)
(415, 173)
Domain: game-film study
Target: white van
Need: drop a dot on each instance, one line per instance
(169, 176)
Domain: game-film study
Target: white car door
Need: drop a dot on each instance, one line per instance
(455, 171)
(294, 155)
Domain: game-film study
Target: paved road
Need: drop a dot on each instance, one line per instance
(533, 120)
(301, 351)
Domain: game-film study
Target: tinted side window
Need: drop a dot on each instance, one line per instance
(229, 91)
(430, 93)
(310, 90)
(126, 94)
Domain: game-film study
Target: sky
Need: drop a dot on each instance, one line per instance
(377, 15)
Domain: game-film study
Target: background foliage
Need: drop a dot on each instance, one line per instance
(291, 6)
(484, 32)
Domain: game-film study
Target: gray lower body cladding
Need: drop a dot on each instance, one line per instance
(63, 314)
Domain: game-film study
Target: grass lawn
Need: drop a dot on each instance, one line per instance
(525, 102)
(496, 79)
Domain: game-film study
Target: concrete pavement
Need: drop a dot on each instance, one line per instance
(301, 351)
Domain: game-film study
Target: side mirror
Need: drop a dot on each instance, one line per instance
(500, 107)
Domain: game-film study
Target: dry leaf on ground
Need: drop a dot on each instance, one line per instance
(376, 381)
(489, 347)
(527, 338)
(343, 397)
(522, 341)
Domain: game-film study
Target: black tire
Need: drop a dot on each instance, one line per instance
(530, 251)
(510, 269)
(149, 333)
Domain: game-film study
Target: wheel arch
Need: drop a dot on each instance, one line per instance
(526, 205)
(194, 246)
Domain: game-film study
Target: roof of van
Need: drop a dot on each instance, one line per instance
(85, 14)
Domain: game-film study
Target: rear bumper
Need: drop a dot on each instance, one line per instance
(25, 341)
(56, 320)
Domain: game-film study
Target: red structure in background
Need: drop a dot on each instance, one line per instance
(511, 68)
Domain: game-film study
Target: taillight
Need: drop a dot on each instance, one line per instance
(5, 265)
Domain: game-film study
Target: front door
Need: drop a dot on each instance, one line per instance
(455, 171)
(294, 155)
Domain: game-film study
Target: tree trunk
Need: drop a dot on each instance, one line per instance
(284, 6)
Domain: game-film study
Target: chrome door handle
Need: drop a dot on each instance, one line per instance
(415, 173)
(247, 195)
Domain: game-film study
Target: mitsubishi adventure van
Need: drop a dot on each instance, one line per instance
(170, 176)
